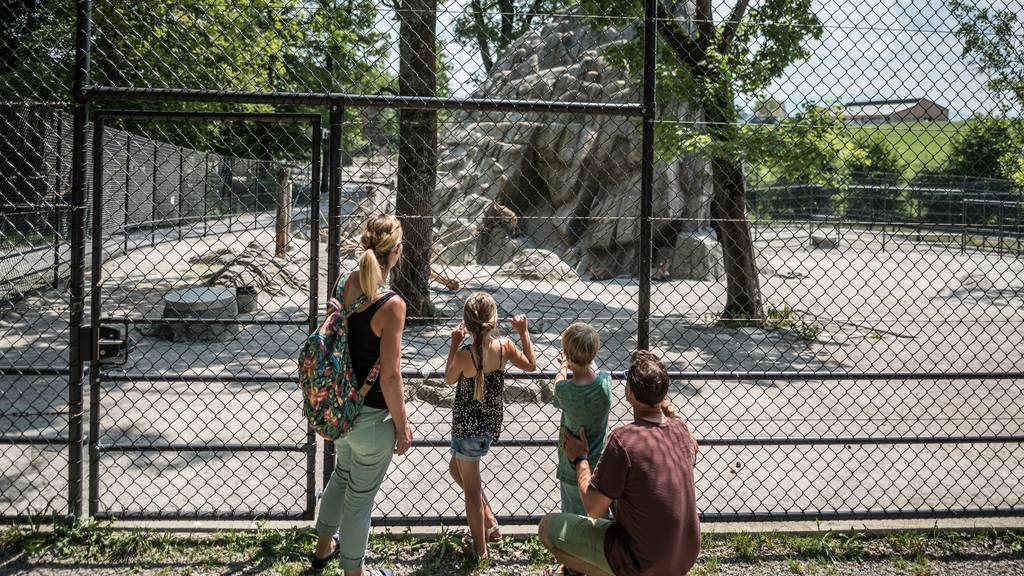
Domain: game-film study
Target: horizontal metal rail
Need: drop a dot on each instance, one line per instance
(775, 441)
(757, 516)
(615, 375)
(34, 441)
(206, 115)
(206, 447)
(214, 321)
(170, 515)
(120, 94)
(32, 371)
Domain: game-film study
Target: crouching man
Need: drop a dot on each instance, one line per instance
(647, 467)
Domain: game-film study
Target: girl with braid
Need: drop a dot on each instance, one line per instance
(478, 371)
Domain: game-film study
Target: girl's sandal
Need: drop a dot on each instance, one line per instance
(493, 534)
(318, 564)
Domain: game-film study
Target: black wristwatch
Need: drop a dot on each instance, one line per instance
(577, 461)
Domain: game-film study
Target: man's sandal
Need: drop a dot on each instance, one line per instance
(318, 564)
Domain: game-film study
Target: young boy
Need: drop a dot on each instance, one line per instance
(585, 401)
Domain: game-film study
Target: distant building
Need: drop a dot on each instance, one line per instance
(881, 111)
(769, 111)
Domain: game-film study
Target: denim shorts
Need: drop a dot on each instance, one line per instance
(471, 449)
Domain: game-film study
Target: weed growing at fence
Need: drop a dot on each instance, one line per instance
(786, 318)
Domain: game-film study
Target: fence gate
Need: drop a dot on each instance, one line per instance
(192, 406)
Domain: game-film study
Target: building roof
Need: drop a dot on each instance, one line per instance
(883, 107)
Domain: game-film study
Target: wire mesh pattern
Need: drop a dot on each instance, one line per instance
(811, 211)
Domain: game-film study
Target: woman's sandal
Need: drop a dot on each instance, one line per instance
(318, 564)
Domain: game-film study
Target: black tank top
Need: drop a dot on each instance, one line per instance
(364, 349)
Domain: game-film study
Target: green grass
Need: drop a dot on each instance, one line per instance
(15, 240)
(286, 552)
(919, 145)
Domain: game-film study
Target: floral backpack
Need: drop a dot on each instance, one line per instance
(331, 400)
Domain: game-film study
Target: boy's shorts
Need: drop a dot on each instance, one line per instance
(471, 449)
(580, 537)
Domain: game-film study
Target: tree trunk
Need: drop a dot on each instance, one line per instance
(729, 218)
(283, 223)
(417, 154)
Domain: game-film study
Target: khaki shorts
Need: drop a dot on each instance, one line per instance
(581, 537)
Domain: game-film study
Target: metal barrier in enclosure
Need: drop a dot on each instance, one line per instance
(836, 290)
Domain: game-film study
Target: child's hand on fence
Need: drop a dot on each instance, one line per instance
(519, 322)
(668, 409)
(458, 334)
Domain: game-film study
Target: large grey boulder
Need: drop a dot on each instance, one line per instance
(697, 256)
(534, 264)
(573, 179)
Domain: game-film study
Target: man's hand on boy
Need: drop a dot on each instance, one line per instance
(459, 334)
(575, 446)
(519, 322)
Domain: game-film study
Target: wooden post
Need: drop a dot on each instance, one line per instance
(284, 213)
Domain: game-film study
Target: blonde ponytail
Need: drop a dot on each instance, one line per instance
(370, 275)
(381, 236)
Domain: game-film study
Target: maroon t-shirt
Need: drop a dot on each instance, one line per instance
(648, 468)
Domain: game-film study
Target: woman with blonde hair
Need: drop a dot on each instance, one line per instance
(382, 428)
(478, 370)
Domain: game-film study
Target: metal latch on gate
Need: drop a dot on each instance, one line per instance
(112, 341)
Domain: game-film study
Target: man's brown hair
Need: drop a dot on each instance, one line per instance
(647, 378)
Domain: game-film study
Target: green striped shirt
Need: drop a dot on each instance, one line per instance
(585, 405)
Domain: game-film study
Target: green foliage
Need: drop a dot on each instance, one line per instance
(488, 27)
(991, 41)
(257, 45)
(985, 146)
(878, 161)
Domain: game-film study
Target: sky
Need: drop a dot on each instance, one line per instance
(877, 49)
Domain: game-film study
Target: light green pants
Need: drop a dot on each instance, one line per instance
(363, 455)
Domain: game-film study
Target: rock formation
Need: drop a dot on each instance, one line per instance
(569, 183)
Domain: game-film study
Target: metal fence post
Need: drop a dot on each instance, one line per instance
(83, 32)
(963, 225)
(127, 187)
(335, 118)
(1002, 214)
(314, 294)
(206, 191)
(96, 287)
(58, 198)
(647, 178)
(181, 187)
(152, 204)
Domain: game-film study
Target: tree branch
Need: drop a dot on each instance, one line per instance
(682, 45)
(705, 24)
(508, 14)
(534, 10)
(730, 26)
(481, 35)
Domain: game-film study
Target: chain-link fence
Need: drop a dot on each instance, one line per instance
(811, 211)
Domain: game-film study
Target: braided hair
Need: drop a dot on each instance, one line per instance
(481, 317)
